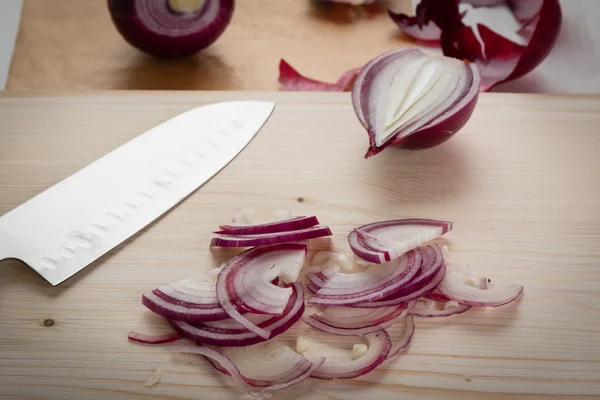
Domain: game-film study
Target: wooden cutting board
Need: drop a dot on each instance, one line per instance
(521, 182)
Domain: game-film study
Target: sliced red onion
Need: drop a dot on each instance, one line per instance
(403, 298)
(464, 288)
(171, 28)
(270, 238)
(402, 343)
(353, 318)
(292, 80)
(153, 339)
(245, 282)
(232, 333)
(383, 241)
(412, 99)
(371, 285)
(186, 300)
(291, 224)
(361, 325)
(506, 39)
(379, 347)
(428, 307)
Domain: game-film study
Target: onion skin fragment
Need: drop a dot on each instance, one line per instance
(292, 80)
(154, 28)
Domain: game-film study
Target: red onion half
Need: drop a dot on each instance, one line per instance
(412, 99)
(379, 345)
(171, 28)
(229, 332)
(383, 241)
(244, 283)
(465, 288)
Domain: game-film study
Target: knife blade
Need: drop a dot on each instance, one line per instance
(73, 223)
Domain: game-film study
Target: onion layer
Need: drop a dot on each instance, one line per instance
(434, 305)
(379, 348)
(411, 99)
(161, 29)
(291, 224)
(464, 288)
(270, 238)
(245, 282)
(153, 339)
(383, 241)
(231, 333)
(409, 331)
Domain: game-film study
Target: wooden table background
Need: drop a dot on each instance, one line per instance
(73, 45)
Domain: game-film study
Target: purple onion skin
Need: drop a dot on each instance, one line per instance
(175, 44)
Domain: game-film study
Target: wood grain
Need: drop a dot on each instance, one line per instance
(520, 182)
(72, 44)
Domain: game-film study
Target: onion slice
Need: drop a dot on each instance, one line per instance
(461, 286)
(291, 224)
(435, 305)
(379, 347)
(292, 80)
(154, 339)
(270, 238)
(409, 331)
(374, 284)
(171, 28)
(412, 99)
(245, 282)
(186, 300)
(232, 333)
(383, 241)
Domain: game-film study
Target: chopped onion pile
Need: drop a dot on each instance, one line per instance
(412, 99)
(171, 28)
(257, 295)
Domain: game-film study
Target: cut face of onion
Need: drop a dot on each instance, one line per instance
(460, 286)
(386, 240)
(270, 238)
(374, 284)
(412, 99)
(231, 333)
(171, 29)
(291, 224)
(379, 347)
(245, 282)
(187, 300)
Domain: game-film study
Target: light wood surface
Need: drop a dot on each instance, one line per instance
(520, 182)
(72, 44)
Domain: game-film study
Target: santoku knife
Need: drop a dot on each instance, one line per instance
(68, 226)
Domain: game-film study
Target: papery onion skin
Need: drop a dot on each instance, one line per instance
(292, 80)
(154, 28)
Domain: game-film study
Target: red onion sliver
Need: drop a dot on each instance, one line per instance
(153, 339)
(409, 331)
(315, 323)
(292, 80)
(291, 224)
(185, 312)
(218, 336)
(461, 286)
(271, 238)
(379, 348)
(374, 290)
(429, 287)
(383, 241)
(356, 318)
